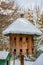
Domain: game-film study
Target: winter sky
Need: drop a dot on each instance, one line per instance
(40, 2)
(29, 1)
(25, 4)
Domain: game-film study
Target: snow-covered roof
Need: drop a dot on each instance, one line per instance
(22, 26)
(39, 61)
(3, 55)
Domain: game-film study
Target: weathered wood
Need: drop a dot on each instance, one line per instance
(30, 45)
(17, 45)
(22, 44)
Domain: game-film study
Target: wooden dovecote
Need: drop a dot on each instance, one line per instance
(21, 44)
(21, 33)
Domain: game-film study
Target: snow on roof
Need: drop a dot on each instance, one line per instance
(22, 26)
(39, 61)
(3, 55)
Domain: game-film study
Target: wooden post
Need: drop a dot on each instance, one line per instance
(30, 45)
(22, 59)
(7, 63)
(17, 45)
(14, 59)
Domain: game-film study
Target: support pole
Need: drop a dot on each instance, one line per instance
(22, 60)
(14, 60)
(7, 63)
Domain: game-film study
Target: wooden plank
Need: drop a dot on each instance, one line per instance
(22, 60)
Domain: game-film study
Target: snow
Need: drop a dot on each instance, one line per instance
(20, 12)
(39, 61)
(42, 10)
(9, 11)
(24, 5)
(17, 62)
(3, 55)
(6, 12)
(7, 1)
(22, 26)
(40, 47)
(27, 4)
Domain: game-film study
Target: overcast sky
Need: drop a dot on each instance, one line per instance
(27, 3)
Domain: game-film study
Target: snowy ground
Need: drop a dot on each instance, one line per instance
(17, 62)
(40, 47)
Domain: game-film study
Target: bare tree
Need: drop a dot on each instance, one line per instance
(36, 15)
(8, 13)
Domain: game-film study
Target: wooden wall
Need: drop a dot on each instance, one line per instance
(21, 44)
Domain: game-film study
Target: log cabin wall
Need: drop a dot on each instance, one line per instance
(21, 44)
